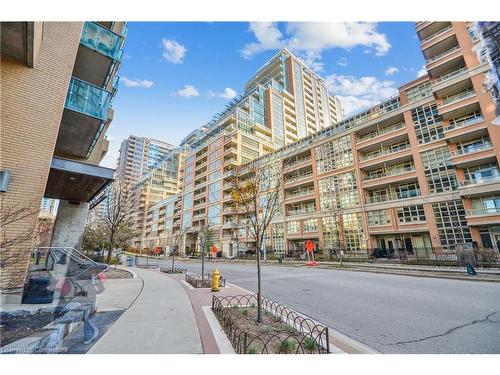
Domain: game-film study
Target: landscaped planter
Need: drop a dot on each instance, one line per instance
(197, 281)
(173, 270)
(284, 331)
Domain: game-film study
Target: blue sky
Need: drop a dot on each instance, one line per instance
(176, 76)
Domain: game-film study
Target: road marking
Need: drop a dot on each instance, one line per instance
(221, 339)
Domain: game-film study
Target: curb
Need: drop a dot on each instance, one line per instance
(221, 339)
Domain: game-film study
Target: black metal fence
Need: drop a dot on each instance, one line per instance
(305, 336)
(197, 281)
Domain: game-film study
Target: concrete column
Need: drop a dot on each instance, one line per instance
(70, 223)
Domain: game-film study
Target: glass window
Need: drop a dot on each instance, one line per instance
(438, 170)
(293, 227)
(379, 217)
(214, 192)
(451, 223)
(427, 123)
(334, 154)
(410, 214)
(310, 225)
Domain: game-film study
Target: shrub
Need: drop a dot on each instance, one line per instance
(287, 346)
(252, 350)
(309, 343)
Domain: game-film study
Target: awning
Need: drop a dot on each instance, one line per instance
(76, 181)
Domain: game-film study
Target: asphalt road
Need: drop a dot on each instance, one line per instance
(390, 313)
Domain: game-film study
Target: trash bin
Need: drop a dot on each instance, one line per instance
(130, 261)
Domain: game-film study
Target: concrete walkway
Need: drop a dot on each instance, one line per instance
(159, 320)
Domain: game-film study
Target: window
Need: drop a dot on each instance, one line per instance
(451, 223)
(293, 227)
(186, 220)
(419, 92)
(427, 123)
(482, 173)
(310, 225)
(214, 215)
(188, 201)
(278, 238)
(338, 191)
(214, 192)
(438, 170)
(334, 154)
(379, 217)
(411, 214)
(353, 232)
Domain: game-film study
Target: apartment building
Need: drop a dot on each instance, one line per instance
(284, 102)
(161, 182)
(138, 156)
(418, 171)
(58, 84)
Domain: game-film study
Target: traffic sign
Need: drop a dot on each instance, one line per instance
(214, 250)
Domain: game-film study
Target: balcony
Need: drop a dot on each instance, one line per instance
(480, 185)
(391, 196)
(446, 61)
(465, 127)
(473, 155)
(301, 211)
(390, 176)
(483, 216)
(385, 154)
(381, 134)
(298, 178)
(436, 38)
(458, 104)
(299, 195)
(297, 163)
(99, 50)
(87, 108)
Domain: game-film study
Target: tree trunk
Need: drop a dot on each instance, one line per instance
(202, 261)
(173, 259)
(110, 251)
(259, 296)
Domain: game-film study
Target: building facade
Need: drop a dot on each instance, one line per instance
(58, 84)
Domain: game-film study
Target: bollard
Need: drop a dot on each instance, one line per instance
(215, 281)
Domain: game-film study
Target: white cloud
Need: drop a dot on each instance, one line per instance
(188, 91)
(145, 83)
(391, 70)
(422, 71)
(342, 62)
(227, 94)
(268, 37)
(357, 94)
(310, 39)
(173, 51)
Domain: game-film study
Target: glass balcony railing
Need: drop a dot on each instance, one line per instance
(88, 99)
(116, 81)
(389, 172)
(435, 35)
(299, 193)
(464, 121)
(450, 75)
(301, 211)
(457, 97)
(480, 179)
(484, 211)
(473, 148)
(382, 131)
(384, 151)
(443, 54)
(390, 196)
(102, 40)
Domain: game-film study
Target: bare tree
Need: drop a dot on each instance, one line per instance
(257, 191)
(15, 245)
(121, 205)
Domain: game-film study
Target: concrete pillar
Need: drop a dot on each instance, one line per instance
(70, 224)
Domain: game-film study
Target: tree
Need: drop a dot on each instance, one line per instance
(257, 191)
(205, 240)
(19, 231)
(94, 238)
(118, 213)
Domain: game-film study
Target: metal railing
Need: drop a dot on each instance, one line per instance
(480, 180)
(197, 281)
(443, 54)
(384, 151)
(460, 123)
(302, 335)
(473, 148)
(436, 34)
(382, 131)
(394, 196)
(484, 211)
(389, 172)
(450, 75)
(457, 97)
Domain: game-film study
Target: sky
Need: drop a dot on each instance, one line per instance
(175, 76)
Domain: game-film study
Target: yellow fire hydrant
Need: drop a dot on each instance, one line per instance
(215, 280)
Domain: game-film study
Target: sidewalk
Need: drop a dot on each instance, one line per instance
(160, 318)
